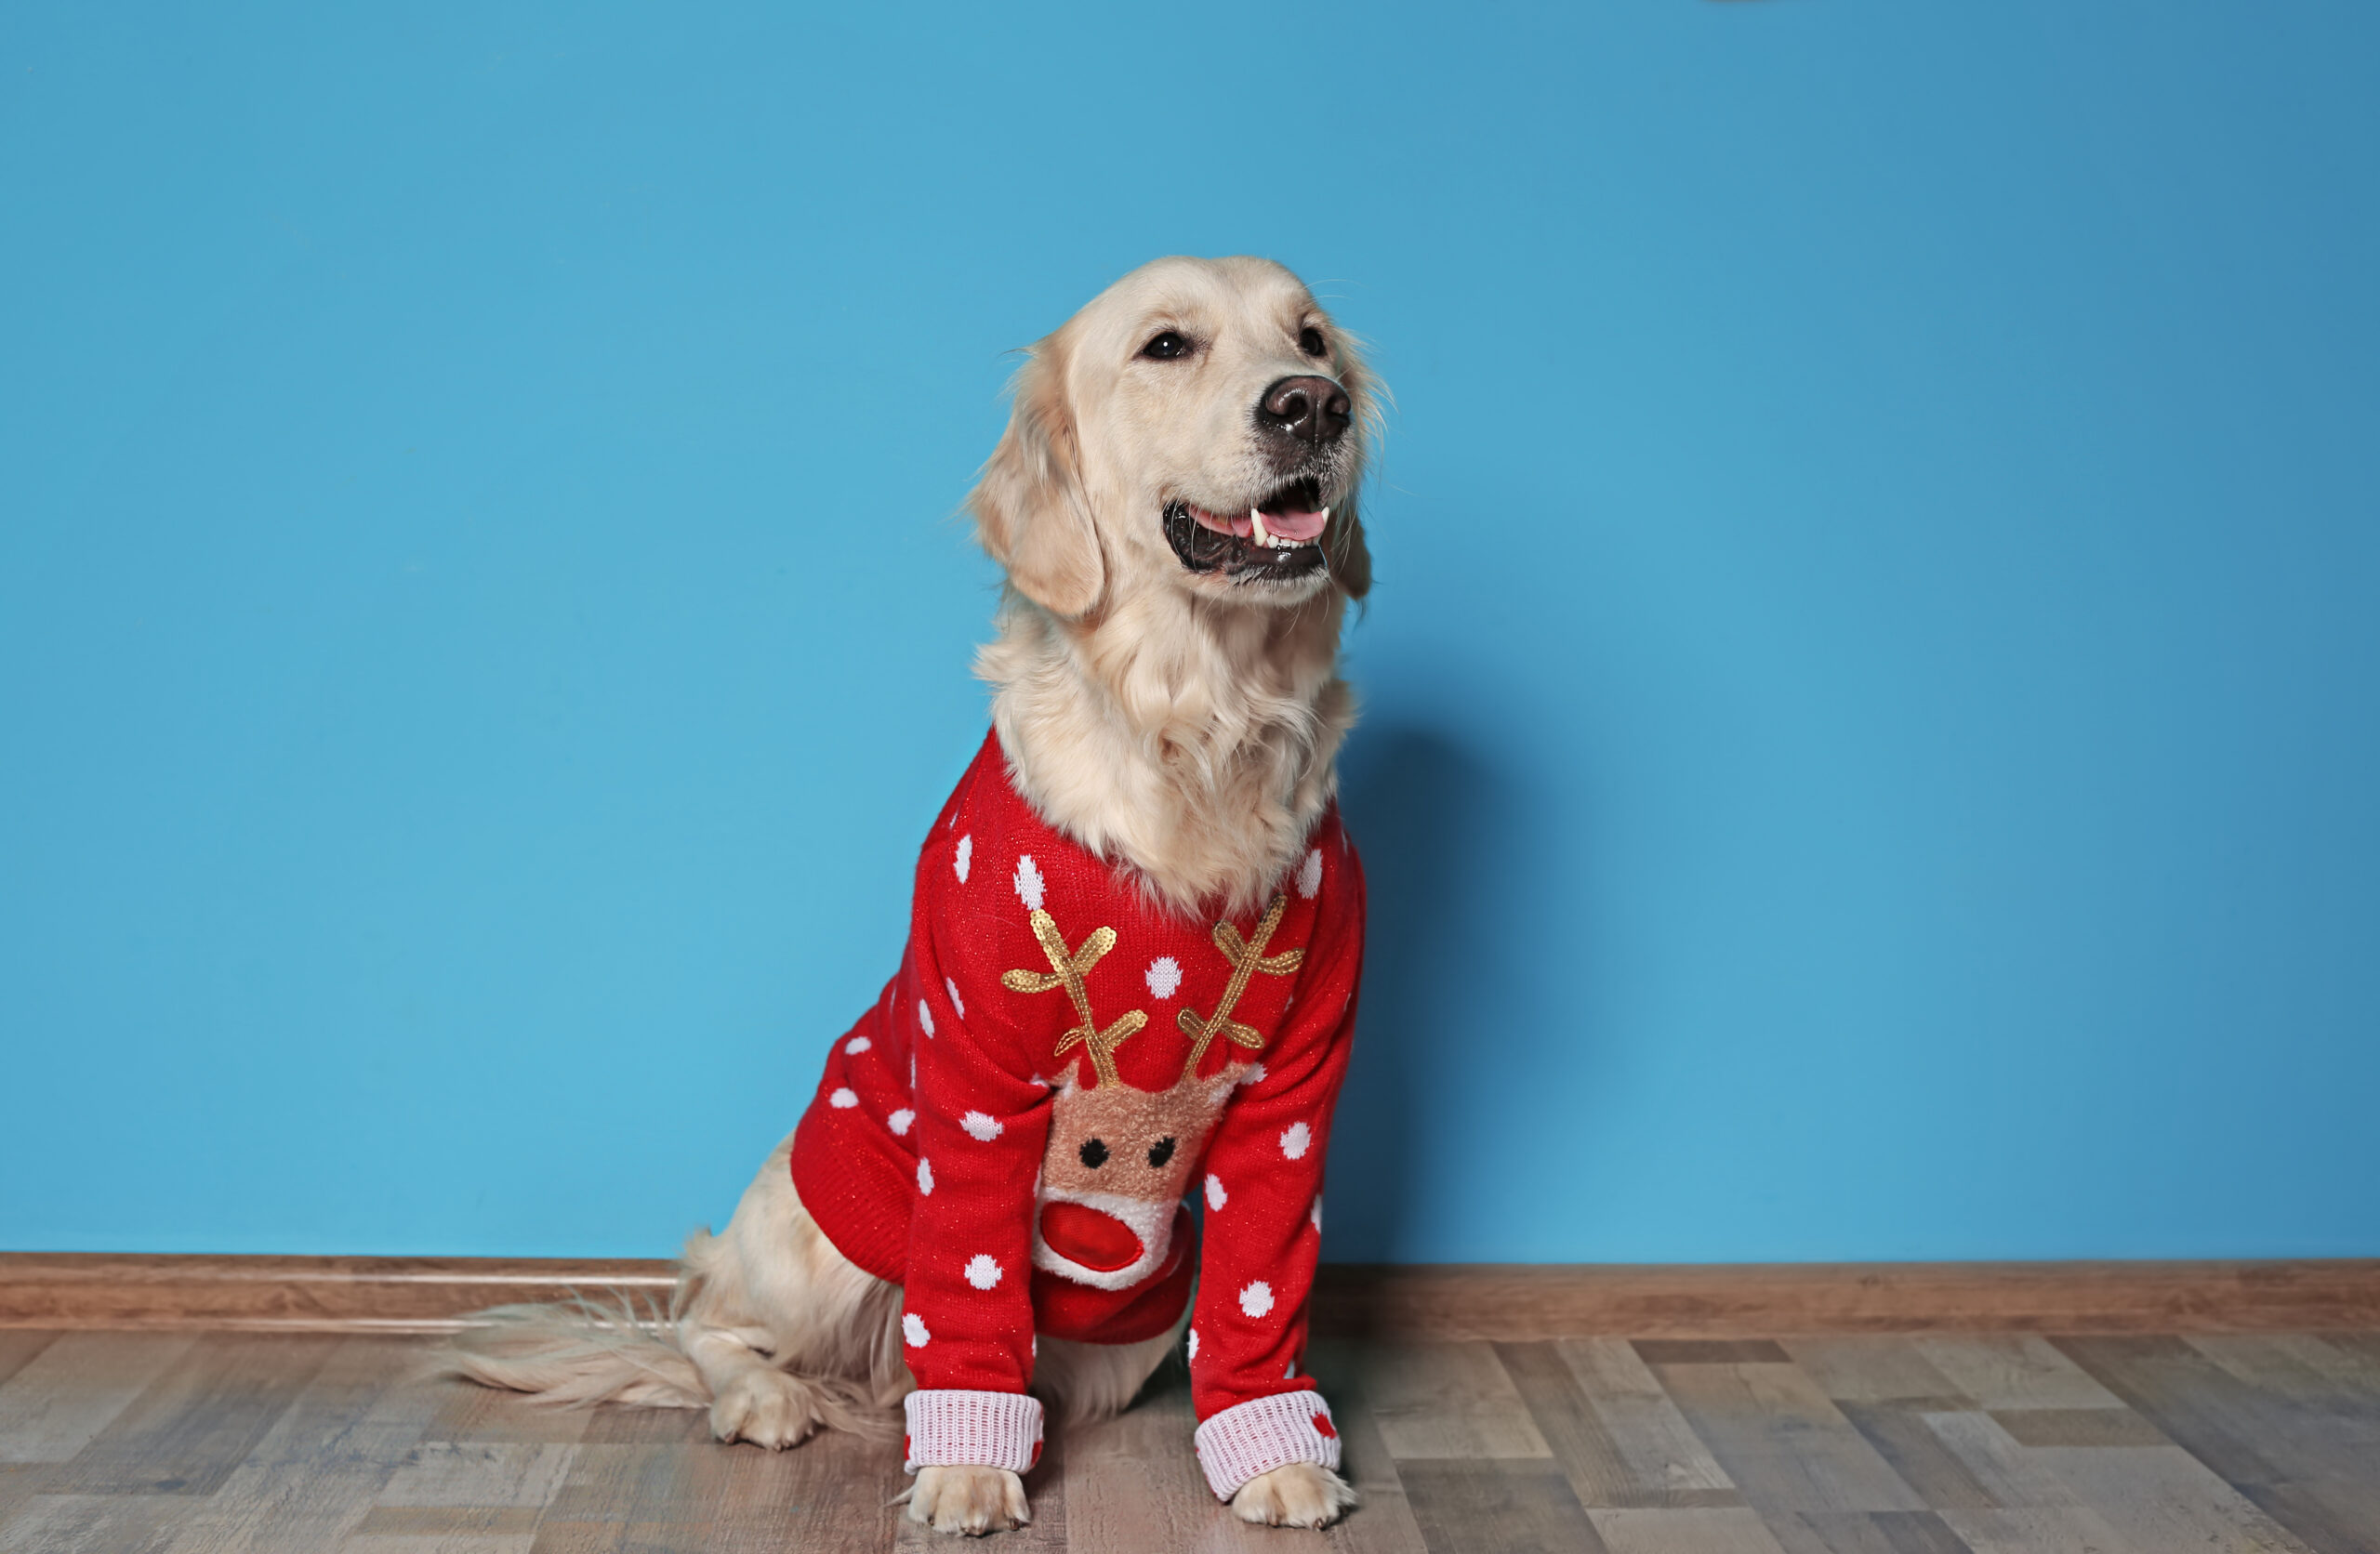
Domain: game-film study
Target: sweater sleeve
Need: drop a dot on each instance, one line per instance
(1263, 1226)
(983, 1120)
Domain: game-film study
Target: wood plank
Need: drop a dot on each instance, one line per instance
(1782, 1440)
(1602, 1475)
(2013, 1370)
(2210, 1412)
(1864, 1533)
(20, 1482)
(1447, 1302)
(2335, 1515)
(478, 1474)
(2039, 1530)
(2160, 1497)
(1433, 1401)
(2078, 1427)
(2010, 1475)
(1706, 1530)
(2297, 1437)
(190, 1428)
(1497, 1506)
(1598, 1471)
(1383, 1523)
(1712, 1352)
(60, 1399)
(1904, 1437)
(1666, 1461)
(831, 1493)
(92, 1524)
(467, 1411)
(439, 1543)
(1134, 1483)
(18, 1347)
(1872, 1368)
(315, 1474)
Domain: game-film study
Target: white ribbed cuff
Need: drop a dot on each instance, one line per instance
(1256, 1437)
(951, 1427)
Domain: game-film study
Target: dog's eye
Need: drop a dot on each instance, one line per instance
(1093, 1153)
(1310, 341)
(1160, 1151)
(1166, 347)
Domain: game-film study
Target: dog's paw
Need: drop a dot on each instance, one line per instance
(768, 1408)
(968, 1500)
(1301, 1495)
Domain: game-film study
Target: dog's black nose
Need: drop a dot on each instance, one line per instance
(1310, 409)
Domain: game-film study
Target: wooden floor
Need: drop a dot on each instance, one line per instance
(151, 1442)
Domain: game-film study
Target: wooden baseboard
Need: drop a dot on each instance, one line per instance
(1514, 1302)
(1447, 1300)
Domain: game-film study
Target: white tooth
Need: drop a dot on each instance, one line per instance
(1256, 516)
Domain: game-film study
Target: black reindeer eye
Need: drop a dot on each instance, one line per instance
(1161, 1151)
(1166, 347)
(1095, 1153)
(1310, 340)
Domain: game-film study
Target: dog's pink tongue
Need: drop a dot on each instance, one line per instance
(1301, 527)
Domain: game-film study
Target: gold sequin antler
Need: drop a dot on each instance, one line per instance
(1067, 969)
(1247, 958)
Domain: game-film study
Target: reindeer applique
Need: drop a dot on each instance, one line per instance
(1119, 1158)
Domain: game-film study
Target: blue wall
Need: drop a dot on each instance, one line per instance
(482, 630)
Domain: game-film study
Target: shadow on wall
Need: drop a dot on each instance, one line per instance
(1416, 803)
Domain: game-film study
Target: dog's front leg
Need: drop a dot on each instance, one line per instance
(968, 1500)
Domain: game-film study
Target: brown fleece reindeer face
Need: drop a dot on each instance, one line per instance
(1119, 1157)
(1118, 1163)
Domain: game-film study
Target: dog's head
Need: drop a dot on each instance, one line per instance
(1201, 424)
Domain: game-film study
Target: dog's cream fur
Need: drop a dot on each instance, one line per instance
(1182, 724)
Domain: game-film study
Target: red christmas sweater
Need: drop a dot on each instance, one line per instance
(1010, 1131)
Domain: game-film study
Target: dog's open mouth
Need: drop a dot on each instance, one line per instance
(1279, 538)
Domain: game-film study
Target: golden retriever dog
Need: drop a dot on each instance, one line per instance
(1165, 693)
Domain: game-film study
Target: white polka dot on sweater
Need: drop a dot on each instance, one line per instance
(1295, 1139)
(1292, 1374)
(982, 1271)
(1254, 1074)
(956, 1002)
(1216, 1196)
(857, 1044)
(844, 1099)
(1164, 977)
(925, 1018)
(1257, 1299)
(925, 1177)
(1309, 874)
(913, 1328)
(1028, 883)
(899, 1121)
(1194, 1343)
(964, 856)
(981, 1126)
(1315, 1214)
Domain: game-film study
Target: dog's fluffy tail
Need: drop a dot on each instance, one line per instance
(588, 1351)
(577, 1354)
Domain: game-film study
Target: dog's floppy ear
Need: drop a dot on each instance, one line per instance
(1351, 558)
(1030, 511)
